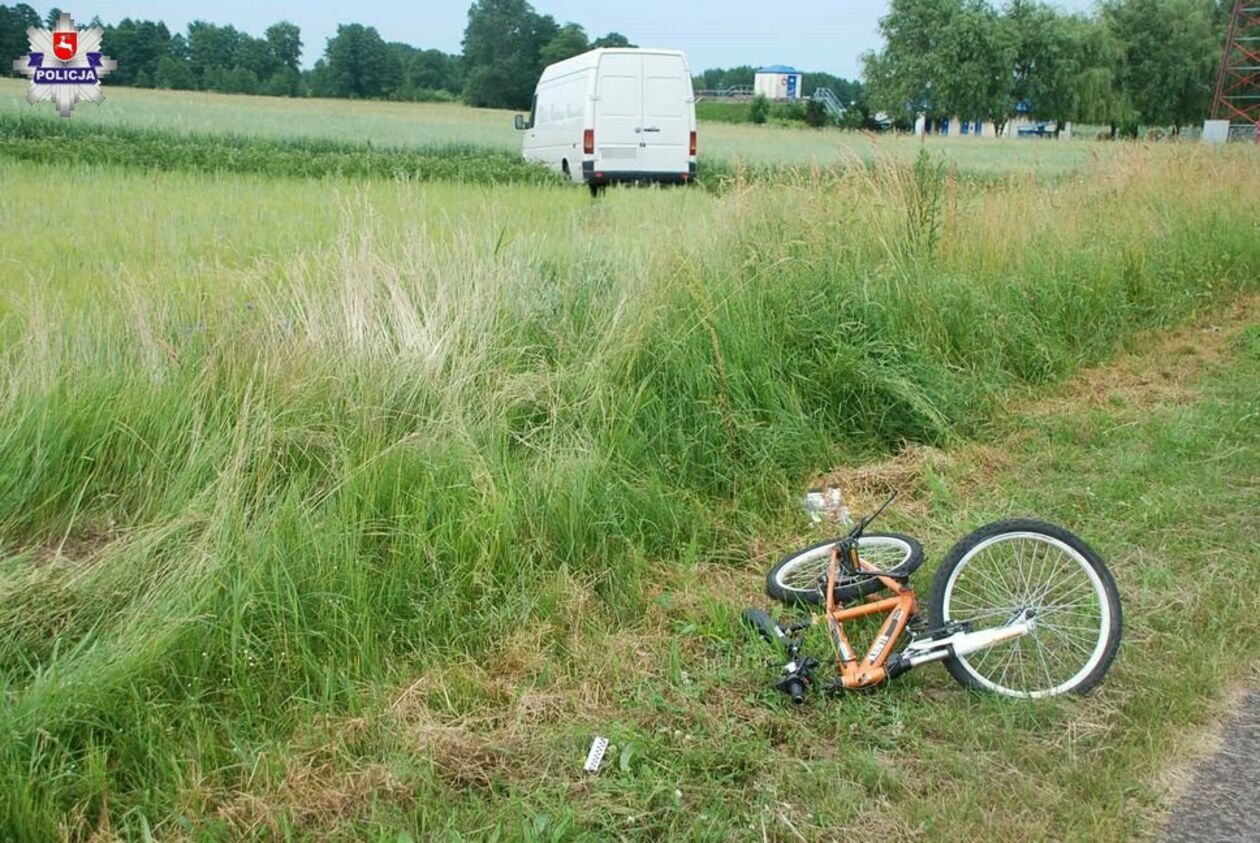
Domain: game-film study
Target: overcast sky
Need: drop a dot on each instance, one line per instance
(827, 35)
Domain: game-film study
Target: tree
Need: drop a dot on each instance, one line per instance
(14, 21)
(400, 62)
(942, 58)
(138, 46)
(284, 45)
(568, 42)
(1169, 57)
(360, 64)
(285, 82)
(858, 115)
(612, 39)
(318, 80)
(211, 53)
(902, 77)
(502, 46)
(815, 113)
(971, 69)
(1047, 60)
(1097, 96)
(759, 110)
(254, 55)
(434, 70)
(173, 74)
(50, 19)
(178, 48)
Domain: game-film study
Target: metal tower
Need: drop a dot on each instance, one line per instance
(1237, 97)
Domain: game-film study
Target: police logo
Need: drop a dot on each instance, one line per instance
(65, 65)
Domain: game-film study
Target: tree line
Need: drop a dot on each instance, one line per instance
(1130, 63)
(506, 45)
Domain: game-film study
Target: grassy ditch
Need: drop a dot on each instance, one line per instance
(259, 486)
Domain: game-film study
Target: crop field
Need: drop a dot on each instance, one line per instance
(351, 502)
(436, 124)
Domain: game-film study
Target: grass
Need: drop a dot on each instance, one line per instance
(708, 111)
(393, 124)
(428, 125)
(65, 143)
(350, 506)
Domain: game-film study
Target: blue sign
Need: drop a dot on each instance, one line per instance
(791, 85)
(61, 75)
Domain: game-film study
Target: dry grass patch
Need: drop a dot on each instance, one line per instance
(865, 486)
(76, 547)
(319, 785)
(1166, 368)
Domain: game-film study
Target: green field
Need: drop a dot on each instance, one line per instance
(428, 124)
(353, 506)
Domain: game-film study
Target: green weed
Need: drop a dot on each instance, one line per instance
(346, 505)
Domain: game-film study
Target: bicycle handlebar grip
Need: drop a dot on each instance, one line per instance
(765, 625)
(795, 689)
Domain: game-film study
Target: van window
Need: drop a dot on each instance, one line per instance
(533, 111)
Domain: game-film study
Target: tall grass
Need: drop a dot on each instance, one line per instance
(226, 515)
(41, 140)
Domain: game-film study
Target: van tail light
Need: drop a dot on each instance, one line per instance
(588, 141)
(693, 144)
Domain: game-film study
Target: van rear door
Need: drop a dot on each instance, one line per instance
(619, 112)
(666, 126)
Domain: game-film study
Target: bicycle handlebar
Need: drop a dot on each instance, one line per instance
(866, 520)
(794, 687)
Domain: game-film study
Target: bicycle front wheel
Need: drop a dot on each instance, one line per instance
(1024, 569)
(795, 579)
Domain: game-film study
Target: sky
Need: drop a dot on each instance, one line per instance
(824, 35)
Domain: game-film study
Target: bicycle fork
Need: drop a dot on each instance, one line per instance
(960, 643)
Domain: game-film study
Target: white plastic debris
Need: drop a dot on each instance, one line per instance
(596, 756)
(827, 504)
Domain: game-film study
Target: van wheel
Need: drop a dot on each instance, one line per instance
(564, 168)
(597, 190)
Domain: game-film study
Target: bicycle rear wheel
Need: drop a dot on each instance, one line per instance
(795, 580)
(1018, 569)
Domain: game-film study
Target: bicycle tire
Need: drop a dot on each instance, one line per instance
(1005, 571)
(794, 579)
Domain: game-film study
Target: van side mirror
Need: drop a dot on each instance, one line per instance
(519, 122)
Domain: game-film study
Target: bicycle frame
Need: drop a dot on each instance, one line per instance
(871, 669)
(875, 666)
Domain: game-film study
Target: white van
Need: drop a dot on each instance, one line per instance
(615, 115)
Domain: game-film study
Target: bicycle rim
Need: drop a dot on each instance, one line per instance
(885, 553)
(1006, 575)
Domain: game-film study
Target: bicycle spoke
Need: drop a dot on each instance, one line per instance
(1033, 576)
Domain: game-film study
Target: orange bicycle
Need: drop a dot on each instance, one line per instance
(1019, 607)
